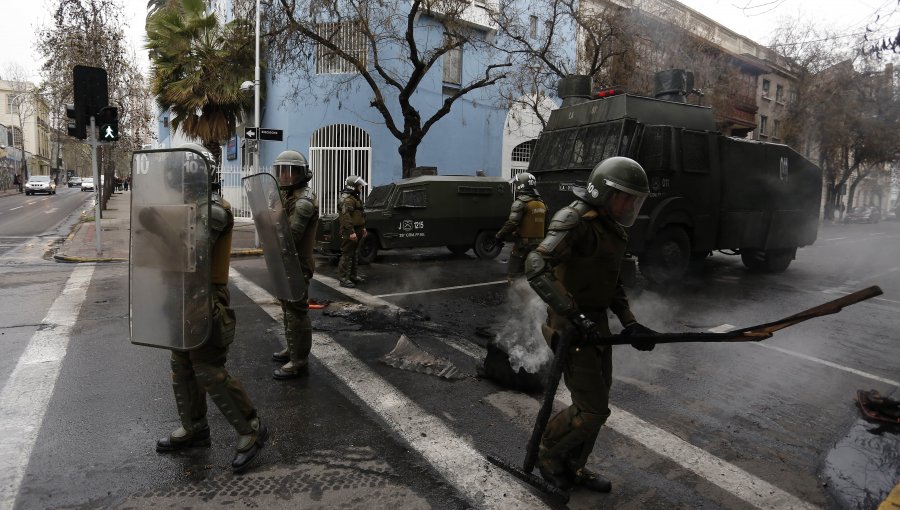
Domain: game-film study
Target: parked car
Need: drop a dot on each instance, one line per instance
(40, 184)
(87, 184)
(75, 182)
(459, 212)
(863, 214)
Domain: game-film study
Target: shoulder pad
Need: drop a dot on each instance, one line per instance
(517, 206)
(306, 206)
(566, 218)
(219, 216)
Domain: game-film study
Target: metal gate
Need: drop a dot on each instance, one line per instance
(233, 191)
(335, 153)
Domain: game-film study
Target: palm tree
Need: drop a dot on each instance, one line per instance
(197, 66)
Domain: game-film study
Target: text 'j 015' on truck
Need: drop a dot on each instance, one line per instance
(707, 191)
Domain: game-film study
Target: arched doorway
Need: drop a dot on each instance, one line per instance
(336, 152)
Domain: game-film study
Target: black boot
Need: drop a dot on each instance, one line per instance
(282, 356)
(291, 370)
(592, 481)
(181, 440)
(246, 454)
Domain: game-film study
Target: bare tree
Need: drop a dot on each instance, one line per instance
(331, 48)
(92, 33)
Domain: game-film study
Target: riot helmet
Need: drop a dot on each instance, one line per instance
(208, 158)
(291, 170)
(354, 184)
(618, 185)
(525, 184)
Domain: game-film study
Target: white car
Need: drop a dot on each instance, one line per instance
(87, 184)
(40, 184)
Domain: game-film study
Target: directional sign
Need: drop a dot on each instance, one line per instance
(263, 134)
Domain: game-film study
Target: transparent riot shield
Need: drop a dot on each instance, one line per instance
(170, 304)
(275, 237)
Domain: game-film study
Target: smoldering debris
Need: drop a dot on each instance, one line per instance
(517, 355)
(406, 355)
(380, 318)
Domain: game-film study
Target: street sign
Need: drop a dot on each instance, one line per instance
(263, 134)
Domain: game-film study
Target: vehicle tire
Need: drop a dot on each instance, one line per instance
(668, 255)
(458, 249)
(483, 240)
(769, 261)
(368, 250)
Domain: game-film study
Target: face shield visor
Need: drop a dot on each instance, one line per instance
(288, 175)
(624, 204)
(360, 183)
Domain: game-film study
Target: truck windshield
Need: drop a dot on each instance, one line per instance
(378, 197)
(577, 148)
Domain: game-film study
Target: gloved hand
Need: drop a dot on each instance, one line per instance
(584, 325)
(638, 329)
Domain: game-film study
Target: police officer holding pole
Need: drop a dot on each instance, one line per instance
(575, 270)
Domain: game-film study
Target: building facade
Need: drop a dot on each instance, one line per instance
(26, 115)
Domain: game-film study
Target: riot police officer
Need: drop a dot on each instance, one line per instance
(302, 210)
(353, 229)
(525, 224)
(575, 270)
(201, 371)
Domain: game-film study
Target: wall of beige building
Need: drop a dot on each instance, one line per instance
(35, 125)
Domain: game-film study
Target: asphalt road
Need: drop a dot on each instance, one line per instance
(769, 425)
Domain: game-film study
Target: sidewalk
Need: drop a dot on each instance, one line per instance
(81, 245)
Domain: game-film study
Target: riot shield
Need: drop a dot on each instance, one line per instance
(170, 304)
(275, 237)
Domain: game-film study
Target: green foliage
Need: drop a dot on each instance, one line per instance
(198, 65)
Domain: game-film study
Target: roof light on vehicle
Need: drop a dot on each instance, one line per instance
(607, 92)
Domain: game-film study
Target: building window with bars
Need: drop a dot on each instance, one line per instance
(350, 38)
(522, 153)
(532, 26)
(765, 88)
(12, 106)
(453, 66)
(779, 93)
(763, 125)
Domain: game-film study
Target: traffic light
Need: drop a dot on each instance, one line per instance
(76, 124)
(108, 120)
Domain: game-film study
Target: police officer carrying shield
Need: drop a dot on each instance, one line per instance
(302, 209)
(352, 221)
(201, 371)
(575, 270)
(525, 224)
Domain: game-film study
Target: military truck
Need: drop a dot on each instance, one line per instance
(708, 191)
(459, 212)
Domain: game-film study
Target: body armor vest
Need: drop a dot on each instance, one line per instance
(532, 226)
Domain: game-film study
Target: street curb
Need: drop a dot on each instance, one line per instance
(66, 258)
(247, 252)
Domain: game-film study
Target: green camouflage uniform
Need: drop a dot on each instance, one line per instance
(584, 247)
(302, 209)
(352, 220)
(202, 371)
(526, 227)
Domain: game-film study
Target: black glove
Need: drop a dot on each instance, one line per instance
(584, 325)
(638, 329)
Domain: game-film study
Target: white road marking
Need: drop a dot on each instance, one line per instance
(14, 208)
(834, 239)
(730, 478)
(442, 289)
(728, 327)
(451, 455)
(26, 395)
(52, 210)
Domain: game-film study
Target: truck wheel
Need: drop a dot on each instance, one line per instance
(769, 261)
(667, 257)
(483, 240)
(458, 249)
(368, 250)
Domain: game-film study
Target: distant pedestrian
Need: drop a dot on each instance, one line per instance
(17, 181)
(125, 184)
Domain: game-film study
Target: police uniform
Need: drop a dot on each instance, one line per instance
(526, 226)
(352, 220)
(302, 209)
(202, 371)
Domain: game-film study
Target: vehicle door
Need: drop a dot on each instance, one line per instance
(406, 224)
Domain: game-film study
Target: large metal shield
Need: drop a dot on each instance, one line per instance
(275, 237)
(170, 304)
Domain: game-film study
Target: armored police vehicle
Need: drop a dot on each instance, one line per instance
(459, 212)
(707, 191)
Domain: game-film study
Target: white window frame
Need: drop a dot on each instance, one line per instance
(349, 37)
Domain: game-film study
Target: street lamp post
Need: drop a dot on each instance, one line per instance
(256, 94)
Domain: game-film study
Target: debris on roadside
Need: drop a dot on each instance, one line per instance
(406, 355)
(879, 409)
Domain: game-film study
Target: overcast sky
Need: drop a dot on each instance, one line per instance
(752, 18)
